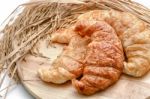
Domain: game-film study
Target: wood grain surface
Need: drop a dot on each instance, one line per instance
(126, 88)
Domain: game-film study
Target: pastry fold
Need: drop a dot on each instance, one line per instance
(68, 64)
(134, 35)
(104, 57)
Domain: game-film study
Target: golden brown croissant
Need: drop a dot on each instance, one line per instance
(69, 64)
(135, 37)
(63, 35)
(104, 57)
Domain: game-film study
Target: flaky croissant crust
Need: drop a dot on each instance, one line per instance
(104, 57)
(135, 37)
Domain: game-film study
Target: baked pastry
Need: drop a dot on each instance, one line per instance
(63, 35)
(104, 57)
(69, 64)
(135, 37)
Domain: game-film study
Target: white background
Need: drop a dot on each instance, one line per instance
(6, 7)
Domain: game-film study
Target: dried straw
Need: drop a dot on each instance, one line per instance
(39, 19)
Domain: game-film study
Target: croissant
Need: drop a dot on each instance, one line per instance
(104, 57)
(63, 35)
(135, 37)
(69, 64)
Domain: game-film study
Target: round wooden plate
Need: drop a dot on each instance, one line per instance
(125, 88)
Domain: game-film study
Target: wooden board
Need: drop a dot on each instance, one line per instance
(125, 88)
